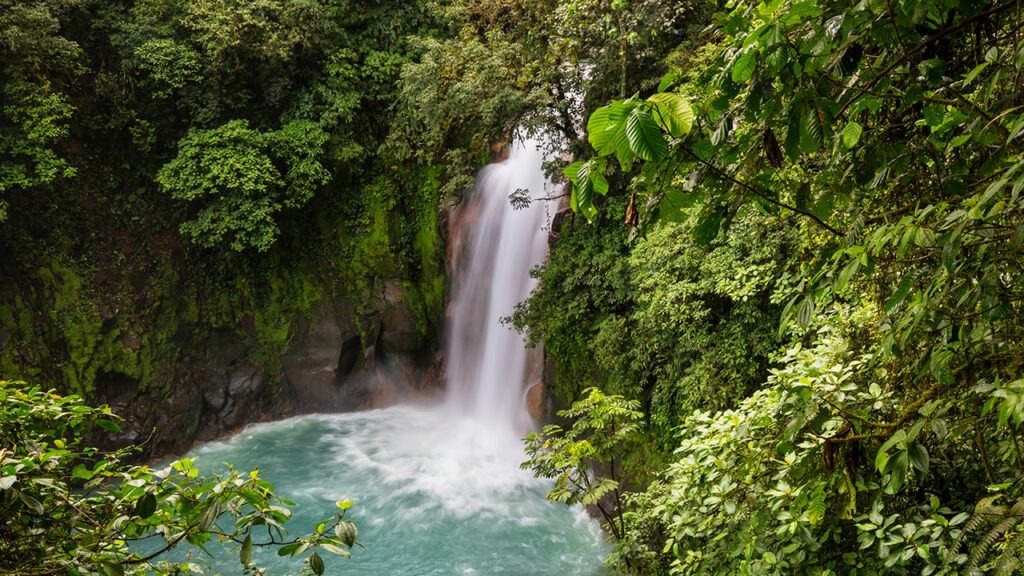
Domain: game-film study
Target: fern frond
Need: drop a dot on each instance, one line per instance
(1009, 561)
(983, 513)
(1007, 519)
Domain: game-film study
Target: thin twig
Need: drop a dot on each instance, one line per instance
(722, 174)
(924, 44)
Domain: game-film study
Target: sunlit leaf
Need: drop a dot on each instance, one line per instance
(851, 134)
(672, 112)
(645, 139)
(743, 68)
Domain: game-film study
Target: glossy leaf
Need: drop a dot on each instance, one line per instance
(672, 112)
(645, 139)
(743, 67)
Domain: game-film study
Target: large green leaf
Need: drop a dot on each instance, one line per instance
(851, 134)
(743, 68)
(919, 457)
(588, 180)
(672, 112)
(940, 365)
(245, 554)
(572, 171)
(645, 139)
(812, 130)
(606, 126)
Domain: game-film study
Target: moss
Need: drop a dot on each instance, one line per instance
(291, 292)
(71, 321)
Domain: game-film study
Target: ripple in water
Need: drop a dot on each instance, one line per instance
(435, 494)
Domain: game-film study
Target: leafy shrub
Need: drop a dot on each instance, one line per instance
(72, 509)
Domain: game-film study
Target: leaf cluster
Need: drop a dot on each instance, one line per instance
(71, 509)
(603, 429)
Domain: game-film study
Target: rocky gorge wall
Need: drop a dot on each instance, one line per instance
(184, 355)
(338, 359)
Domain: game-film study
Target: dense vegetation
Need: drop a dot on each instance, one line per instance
(176, 177)
(174, 170)
(71, 509)
(784, 320)
(817, 311)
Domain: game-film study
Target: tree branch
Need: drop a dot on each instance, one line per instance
(924, 44)
(721, 174)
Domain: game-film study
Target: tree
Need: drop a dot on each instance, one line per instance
(72, 509)
(603, 429)
(35, 65)
(240, 179)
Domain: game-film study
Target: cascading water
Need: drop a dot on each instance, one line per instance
(487, 361)
(438, 489)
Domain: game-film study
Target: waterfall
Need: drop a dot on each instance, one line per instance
(488, 363)
(438, 490)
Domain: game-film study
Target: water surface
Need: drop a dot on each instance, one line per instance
(435, 494)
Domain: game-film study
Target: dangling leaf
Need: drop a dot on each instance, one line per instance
(805, 313)
(851, 134)
(347, 533)
(672, 112)
(632, 217)
(645, 139)
(897, 470)
(772, 151)
(812, 131)
(939, 364)
(316, 563)
(743, 68)
(245, 555)
(588, 179)
(146, 506)
(919, 457)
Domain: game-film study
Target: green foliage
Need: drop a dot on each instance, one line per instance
(603, 429)
(69, 508)
(671, 322)
(36, 63)
(998, 528)
(457, 101)
(629, 130)
(701, 330)
(133, 133)
(886, 138)
(242, 178)
(778, 485)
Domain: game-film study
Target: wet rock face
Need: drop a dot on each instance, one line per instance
(342, 360)
(338, 360)
(398, 331)
(310, 368)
